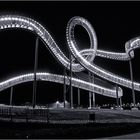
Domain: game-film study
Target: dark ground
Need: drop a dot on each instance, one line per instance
(94, 130)
(106, 123)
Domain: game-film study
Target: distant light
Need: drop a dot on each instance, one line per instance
(57, 102)
(66, 101)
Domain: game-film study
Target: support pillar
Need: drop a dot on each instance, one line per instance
(93, 94)
(117, 98)
(71, 89)
(89, 74)
(89, 100)
(93, 99)
(35, 70)
(131, 75)
(78, 97)
(120, 102)
(64, 88)
(11, 95)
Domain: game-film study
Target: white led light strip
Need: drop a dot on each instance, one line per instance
(13, 21)
(43, 76)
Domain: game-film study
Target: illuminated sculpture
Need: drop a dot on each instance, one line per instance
(12, 21)
(60, 79)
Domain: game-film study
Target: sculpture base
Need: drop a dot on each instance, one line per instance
(118, 108)
(94, 108)
(134, 108)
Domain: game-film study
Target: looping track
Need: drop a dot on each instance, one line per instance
(14, 21)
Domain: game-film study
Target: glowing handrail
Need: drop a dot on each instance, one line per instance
(43, 76)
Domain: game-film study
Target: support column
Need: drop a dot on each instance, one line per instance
(120, 102)
(93, 94)
(93, 98)
(64, 88)
(131, 75)
(35, 70)
(71, 89)
(89, 74)
(78, 97)
(11, 95)
(89, 100)
(117, 99)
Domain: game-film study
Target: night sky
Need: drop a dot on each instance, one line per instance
(114, 23)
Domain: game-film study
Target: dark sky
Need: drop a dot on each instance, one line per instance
(114, 23)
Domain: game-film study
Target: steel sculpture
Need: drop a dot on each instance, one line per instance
(84, 57)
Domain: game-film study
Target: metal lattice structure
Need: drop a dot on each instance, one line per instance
(84, 57)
